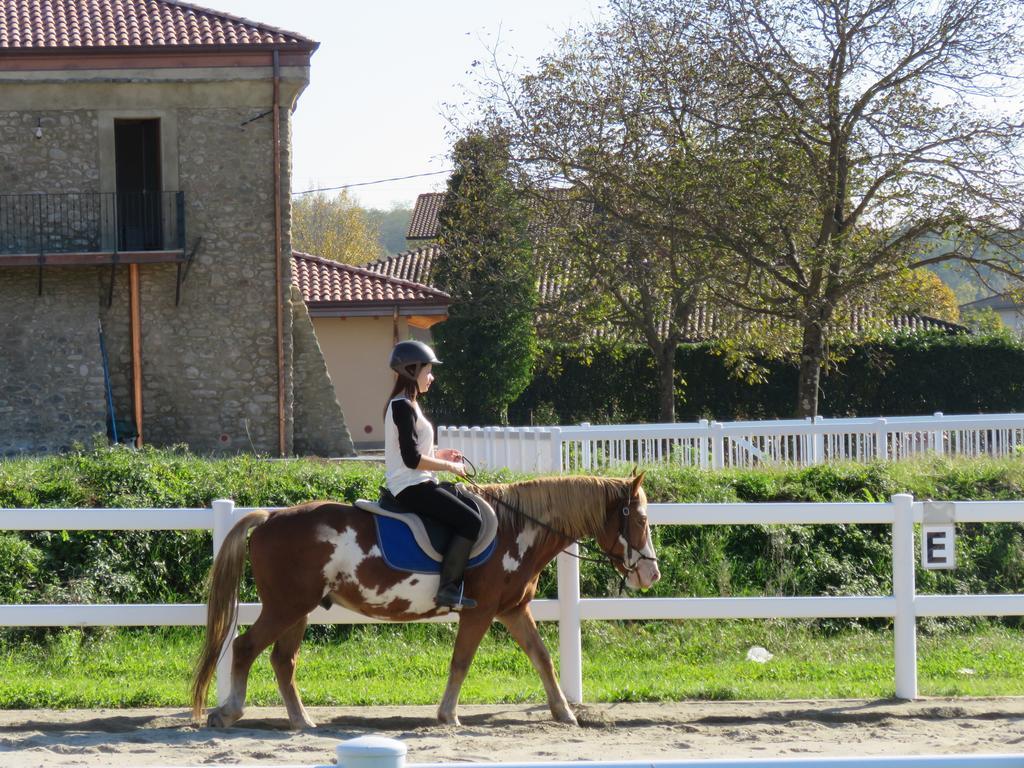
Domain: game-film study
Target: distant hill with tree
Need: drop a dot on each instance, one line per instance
(392, 226)
(338, 228)
(334, 227)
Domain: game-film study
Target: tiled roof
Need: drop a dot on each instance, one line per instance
(423, 225)
(418, 265)
(703, 324)
(322, 281)
(999, 301)
(914, 323)
(415, 265)
(48, 24)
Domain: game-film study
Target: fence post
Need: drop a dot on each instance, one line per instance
(882, 441)
(503, 436)
(905, 620)
(370, 752)
(570, 644)
(819, 442)
(586, 449)
(223, 519)
(475, 440)
(939, 437)
(717, 438)
(556, 450)
(488, 435)
(703, 446)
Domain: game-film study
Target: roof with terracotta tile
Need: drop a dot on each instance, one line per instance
(999, 301)
(326, 282)
(703, 324)
(423, 225)
(105, 24)
(415, 265)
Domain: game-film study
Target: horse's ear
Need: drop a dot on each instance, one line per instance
(633, 471)
(637, 480)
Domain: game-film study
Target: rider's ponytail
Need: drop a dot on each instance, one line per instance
(403, 386)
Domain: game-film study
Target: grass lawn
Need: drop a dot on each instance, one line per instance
(654, 661)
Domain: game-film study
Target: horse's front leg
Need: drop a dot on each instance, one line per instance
(522, 627)
(472, 628)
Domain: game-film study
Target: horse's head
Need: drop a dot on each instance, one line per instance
(626, 537)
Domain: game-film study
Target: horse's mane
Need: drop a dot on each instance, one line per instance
(574, 505)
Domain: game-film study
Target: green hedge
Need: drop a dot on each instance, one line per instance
(704, 560)
(899, 376)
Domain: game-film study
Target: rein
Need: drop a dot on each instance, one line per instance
(608, 555)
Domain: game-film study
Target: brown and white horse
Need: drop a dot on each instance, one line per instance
(323, 550)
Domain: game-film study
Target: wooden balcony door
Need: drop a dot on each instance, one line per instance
(139, 208)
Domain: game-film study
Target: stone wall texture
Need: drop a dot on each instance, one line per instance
(210, 364)
(320, 428)
(51, 374)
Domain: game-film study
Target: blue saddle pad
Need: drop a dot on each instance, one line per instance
(401, 551)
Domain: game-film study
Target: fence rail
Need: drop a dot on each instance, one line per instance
(738, 444)
(904, 605)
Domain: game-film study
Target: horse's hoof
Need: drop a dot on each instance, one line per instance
(215, 720)
(219, 719)
(304, 724)
(448, 719)
(566, 717)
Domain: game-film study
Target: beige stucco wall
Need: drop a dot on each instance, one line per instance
(356, 350)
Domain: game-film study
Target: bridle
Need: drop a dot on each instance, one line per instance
(629, 564)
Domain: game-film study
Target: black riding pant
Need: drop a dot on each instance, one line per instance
(440, 504)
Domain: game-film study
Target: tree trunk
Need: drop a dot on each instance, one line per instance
(666, 359)
(812, 355)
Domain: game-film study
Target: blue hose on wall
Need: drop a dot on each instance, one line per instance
(106, 382)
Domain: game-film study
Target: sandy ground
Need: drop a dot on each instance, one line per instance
(151, 737)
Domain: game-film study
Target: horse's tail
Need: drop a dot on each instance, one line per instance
(222, 604)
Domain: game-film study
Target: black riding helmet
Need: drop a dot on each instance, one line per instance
(409, 357)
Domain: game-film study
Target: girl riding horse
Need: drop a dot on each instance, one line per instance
(323, 552)
(411, 460)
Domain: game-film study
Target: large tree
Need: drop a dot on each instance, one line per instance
(485, 263)
(594, 119)
(789, 158)
(855, 139)
(336, 228)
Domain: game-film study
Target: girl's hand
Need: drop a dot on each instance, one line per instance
(457, 468)
(448, 454)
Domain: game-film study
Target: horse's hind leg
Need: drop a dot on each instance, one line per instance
(472, 628)
(522, 627)
(282, 658)
(245, 648)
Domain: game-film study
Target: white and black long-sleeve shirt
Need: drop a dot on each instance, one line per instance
(408, 436)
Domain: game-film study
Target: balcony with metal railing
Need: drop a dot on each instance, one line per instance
(90, 228)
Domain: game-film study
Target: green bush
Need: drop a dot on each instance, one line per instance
(97, 566)
(902, 375)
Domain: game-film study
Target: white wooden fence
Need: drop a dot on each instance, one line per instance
(904, 605)
(382, 752)
(719, 445)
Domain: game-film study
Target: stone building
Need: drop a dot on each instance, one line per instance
(144, 185)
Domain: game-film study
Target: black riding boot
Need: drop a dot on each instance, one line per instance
(449, 594)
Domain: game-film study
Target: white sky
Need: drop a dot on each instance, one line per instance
(382, 74)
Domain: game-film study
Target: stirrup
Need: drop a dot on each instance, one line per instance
(450, 596)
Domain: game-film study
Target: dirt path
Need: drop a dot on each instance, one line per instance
(150, 737)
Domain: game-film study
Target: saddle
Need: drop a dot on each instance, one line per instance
(411, 542)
